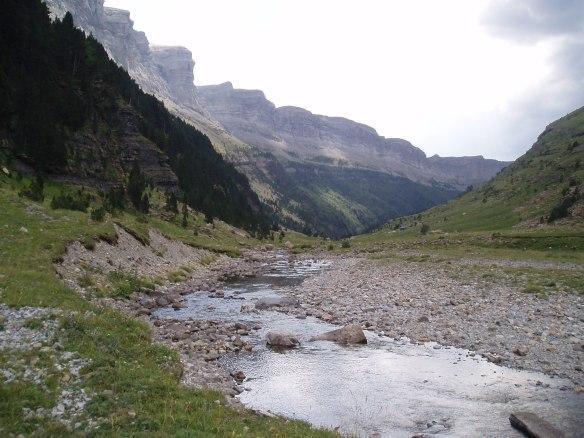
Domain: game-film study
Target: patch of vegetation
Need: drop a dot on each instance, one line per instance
(207, 260)
(78, 201)
(35, 191)
(125, 284)
(97, 214)
(85, 281)
(34, 323)
(177, 276)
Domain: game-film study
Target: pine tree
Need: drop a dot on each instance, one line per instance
(136, 186)
(171, 203)
(185, 214)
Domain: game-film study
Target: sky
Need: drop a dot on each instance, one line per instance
(454, 77)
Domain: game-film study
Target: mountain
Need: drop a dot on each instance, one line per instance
(320, 174)
(68, 110)
(298, 135)
(543, 187)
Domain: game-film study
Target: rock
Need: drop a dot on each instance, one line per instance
(423, 319)
(350, 334)
(520, 351)
(23, 230)
(281, 339)
(327, 317)
(148, 303)
(212, 355)
(533, 426)
(161, 301)
(239, 376)
(269, 302)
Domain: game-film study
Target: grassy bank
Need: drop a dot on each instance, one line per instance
(134, 383)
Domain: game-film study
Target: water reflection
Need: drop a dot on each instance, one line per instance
(389, 387)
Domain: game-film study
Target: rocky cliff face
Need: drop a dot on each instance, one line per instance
(166, 72)
(297, 134)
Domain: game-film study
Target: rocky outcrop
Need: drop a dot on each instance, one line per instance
(270, 302)
(166, 72)
(350, 334)
(176, 67)
(281, 340)
(533, 426)
(297, 134)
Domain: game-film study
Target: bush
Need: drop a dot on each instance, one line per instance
(98, 214)
(36, 190)
(560, 211)
(115, 199)
(171, 203)
(126, 284)
(78, 201)
(345, 244)
(425, 229)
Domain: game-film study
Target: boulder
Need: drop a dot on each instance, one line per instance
(281, 339)
(533, 426)
(269, 302)
(350, 334)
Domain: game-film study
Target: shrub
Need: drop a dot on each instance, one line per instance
(78, 201)
(36, 190)
(115, 199)
(98, 214)
(125, 284)
(561, 210)
(206, 260)
(85, 281)
(425, 229)
(345, 244)
(171, 203)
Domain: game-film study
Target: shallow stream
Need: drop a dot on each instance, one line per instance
(387, 388)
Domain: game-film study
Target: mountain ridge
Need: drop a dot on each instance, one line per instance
(277, 178)
(294, 132)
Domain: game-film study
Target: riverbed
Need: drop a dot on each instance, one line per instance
(389, 387)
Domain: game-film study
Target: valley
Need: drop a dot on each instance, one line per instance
(196, 261)
(303, 166)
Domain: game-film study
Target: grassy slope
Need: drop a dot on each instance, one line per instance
(526, 190)
(146, 394)
(501, 220)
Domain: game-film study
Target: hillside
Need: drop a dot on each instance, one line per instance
(279, 158)
(542, 188)
(71, 112)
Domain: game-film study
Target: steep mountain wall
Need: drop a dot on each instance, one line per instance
(297, 134)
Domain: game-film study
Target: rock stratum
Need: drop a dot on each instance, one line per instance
(325, 175)
(298, 134)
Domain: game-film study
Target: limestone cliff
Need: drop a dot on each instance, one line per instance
(297, 134)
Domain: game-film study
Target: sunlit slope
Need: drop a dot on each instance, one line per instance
(544, 186)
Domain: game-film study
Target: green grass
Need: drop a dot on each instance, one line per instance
(135, 383)
(125, 284)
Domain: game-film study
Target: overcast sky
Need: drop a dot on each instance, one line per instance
(454, 77)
